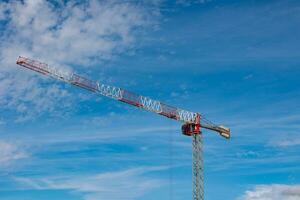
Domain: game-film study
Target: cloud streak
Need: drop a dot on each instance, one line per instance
(127, 184)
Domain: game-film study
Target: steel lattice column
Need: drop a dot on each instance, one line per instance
(198, 175)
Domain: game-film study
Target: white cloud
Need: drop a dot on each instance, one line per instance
(273, 192)
(10, 152)
(73, 33)
(286, 142)
(126, 185)
(81, 34)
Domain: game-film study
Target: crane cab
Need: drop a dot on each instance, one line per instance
(189, 129)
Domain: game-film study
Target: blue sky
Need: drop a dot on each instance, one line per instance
(236, 62)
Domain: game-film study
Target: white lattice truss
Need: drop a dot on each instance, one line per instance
(109, 91)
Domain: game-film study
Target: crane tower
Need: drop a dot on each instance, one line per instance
(192, 121)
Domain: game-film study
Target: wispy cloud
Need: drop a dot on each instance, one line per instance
(10, 152)
(287, 142)
(127, 184)
(273, 192)
(285, 121)
(76, 33)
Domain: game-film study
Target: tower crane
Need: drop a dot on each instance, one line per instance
(192, 121)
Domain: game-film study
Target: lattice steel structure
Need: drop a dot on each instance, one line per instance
(191, 120)
(197, 167)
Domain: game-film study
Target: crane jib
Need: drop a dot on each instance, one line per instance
(109, 91)
(117, 93)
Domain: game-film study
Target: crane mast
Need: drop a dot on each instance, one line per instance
(192, 120)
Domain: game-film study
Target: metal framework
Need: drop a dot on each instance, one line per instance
(197, 167)
(191, 120)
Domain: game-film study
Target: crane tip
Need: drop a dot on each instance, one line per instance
(225, 132)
